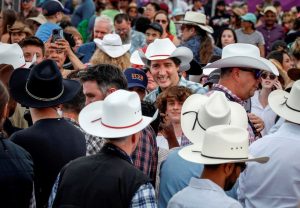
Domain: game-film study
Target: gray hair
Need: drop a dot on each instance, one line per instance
(106, 19)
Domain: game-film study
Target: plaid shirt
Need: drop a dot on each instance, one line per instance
(93, 143)
(232, 97)
(145, 156)
(195, 87)
(144, 197)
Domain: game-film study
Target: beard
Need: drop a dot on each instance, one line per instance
(229, 183)
(125, 38)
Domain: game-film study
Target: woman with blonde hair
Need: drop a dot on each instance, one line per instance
(111, 51)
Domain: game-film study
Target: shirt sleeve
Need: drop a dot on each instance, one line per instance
(144, 197)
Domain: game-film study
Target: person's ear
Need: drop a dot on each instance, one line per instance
(111, 90)
(228, 168)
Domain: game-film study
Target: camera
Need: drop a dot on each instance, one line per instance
(57, 34)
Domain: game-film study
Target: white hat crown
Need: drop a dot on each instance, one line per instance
(121, 109)
(160, 48)
(225, 142)
(240, 49)
(12, 54)
(112, 40)
(195, 17)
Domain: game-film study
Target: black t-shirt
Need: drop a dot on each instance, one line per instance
(52, 143)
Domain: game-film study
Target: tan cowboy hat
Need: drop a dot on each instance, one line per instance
(196, 18)
(286, 104)
(41, 19)
(199, 112)
(118, 115)
(20, 27)
(112, 45)
(221, 144)
(243, 55)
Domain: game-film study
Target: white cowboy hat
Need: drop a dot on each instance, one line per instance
(112, 45)
(199, 112)
(221, 144)
(136, 59)
(207, 71)
(118, 115)
(243, 55)
(287, 105)
(161, 49)
(196, 18)
(12, 54)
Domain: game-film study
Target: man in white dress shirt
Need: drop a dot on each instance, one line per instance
(223, 152)
(276, 184)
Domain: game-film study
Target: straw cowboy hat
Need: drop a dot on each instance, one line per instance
(221, 144)
(41, 19)
(199, 112)
(112, 45)
(286, 104)
(196, 18)
(13, 54)
(20, 27)
(42, 86)
(162, 49)
(243, 55)
(118, 115)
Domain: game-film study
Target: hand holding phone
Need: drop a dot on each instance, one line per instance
(57, 34)
(277, 85)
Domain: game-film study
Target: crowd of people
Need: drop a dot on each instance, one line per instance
(169, 104)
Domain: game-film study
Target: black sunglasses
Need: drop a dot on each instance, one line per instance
(256, 72)
(266, 75)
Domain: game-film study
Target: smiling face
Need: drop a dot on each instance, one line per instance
(164, 72)
(173, 109)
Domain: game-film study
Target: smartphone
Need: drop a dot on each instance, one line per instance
(57, 34)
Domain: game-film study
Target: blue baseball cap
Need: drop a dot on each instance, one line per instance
(136, 78)
(249, 17)
(51, 7)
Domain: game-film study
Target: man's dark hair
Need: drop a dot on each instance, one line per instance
(76, 104)
(225, 71)
(33, 41)
(106, 76)
(155, 5)
(120, 17)
(176, 61)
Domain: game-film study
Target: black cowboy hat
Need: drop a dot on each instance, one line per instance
(42, 86)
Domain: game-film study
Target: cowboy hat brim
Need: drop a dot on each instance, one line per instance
(246, 62)
(17, 85)
(90, 121)
(113, 51)
(197, 101)
(277, 101)
(203, 27)
(184, 54)
(192, 153)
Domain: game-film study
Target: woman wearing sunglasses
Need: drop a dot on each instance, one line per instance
(259, 101)
(162, 18)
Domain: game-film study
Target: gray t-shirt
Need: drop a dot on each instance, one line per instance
(255, 38)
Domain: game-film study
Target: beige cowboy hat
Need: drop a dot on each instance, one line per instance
(221, 144)
(199, 112)
(196, 18)
(118, 115)
(286, 104)
(112, 45)
(243, 55)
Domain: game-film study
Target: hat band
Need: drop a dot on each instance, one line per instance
(121, 127)
(222, 158)
(195, 23)
(105, 44)
(160, 55)
(285, 103)
(196, 120)
(44, 99)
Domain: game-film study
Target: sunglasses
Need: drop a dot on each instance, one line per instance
(256, 72)
(267, 75)
(162, 21)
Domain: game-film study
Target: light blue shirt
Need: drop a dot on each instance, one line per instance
(202, 193)
(276, 183)
(138, 40)
(195, 87)
(45, 31)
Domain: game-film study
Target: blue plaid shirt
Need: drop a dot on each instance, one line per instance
(195, 87)
(144, 197)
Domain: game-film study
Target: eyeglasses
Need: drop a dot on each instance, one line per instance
(162, 21)
(267, 75)
(242, 166)
(256, 72)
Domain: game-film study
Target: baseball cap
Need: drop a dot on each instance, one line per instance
(155, 26)
(136, 78)
(270, 8)
(213, 77)
(249, 17)
(51, 7)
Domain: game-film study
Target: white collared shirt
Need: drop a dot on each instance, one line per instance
(277, 182)
(202, 193)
